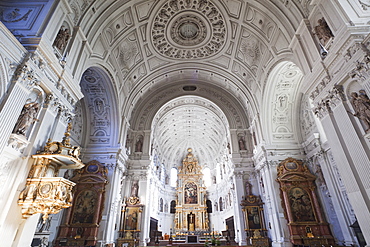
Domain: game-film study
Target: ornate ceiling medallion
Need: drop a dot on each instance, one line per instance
(188, 29)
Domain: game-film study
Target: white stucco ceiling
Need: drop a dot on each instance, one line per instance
(227, 47)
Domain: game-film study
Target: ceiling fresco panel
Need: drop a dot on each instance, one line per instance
(99, 48)
(188, 29)
(128, 53)
(156, 62)
(222, 61)
(250, 51)
(243, 73)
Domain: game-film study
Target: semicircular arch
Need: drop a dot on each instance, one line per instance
(100, 111)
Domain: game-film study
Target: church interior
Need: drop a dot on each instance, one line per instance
(184, 123)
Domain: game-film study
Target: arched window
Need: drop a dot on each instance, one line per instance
(173, 207)
(161, 205)
(221, 204)
(209, 206)
(218, 173)
(207, 177)
(173, 177)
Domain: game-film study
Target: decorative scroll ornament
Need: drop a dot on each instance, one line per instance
(133, 200)
(362, 70)
(44, 192)
(190, 164)
(188, 29)
(365, 4)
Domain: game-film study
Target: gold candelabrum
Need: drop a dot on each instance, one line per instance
(45, 192)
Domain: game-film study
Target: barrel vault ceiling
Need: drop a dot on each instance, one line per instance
(226, 45)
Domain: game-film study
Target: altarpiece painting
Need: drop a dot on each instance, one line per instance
(301, 205)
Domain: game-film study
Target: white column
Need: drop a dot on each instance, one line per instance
(239, 221)
(276, 223)
(114, 205)
(336, 191)
(145, 215)
(350, 154)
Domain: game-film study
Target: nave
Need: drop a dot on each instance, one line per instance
(127, 121)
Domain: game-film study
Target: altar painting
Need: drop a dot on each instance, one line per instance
(253, 217)
(191, 193)
(301, 205)
(85, 207)
(132, 218)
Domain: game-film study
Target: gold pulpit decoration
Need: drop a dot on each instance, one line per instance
(191, 209)
(45, 192)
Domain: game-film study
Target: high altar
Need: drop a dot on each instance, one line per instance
(191, 210)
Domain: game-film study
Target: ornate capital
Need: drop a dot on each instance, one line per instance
(26, 76)
(334, 98)
(361, 71)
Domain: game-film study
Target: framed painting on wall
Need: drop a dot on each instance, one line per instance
(253, 217)
(132, 216)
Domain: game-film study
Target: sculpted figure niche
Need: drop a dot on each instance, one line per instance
(27, 117)
(62, 38)
(135, 189)
(323, 31)
(361, 105)
(139, 144)
(241, 143)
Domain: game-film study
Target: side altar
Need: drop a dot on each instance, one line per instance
(191, 210)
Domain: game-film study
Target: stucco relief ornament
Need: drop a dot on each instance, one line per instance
(365, 4)
(188, 29)
(14, 15)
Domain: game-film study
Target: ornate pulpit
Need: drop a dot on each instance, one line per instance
(301, 206)
(45, 192)
(191, 210)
